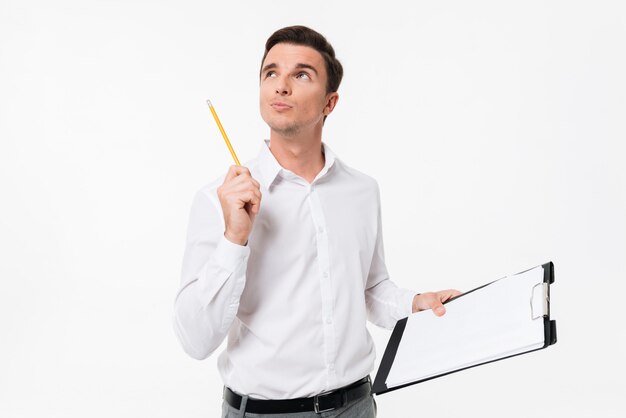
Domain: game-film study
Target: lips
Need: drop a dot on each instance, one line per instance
(280, 106)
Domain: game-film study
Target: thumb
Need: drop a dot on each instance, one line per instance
(438, 308)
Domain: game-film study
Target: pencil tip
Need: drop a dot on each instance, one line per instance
(208, 102)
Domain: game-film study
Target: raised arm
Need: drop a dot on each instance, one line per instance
(214, 266)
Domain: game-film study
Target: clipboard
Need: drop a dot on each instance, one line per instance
(499, 320)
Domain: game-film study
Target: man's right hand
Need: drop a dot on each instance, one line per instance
(240, 197)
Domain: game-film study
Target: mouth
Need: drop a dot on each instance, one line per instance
(280, 106)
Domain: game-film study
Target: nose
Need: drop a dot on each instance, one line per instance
(282, 87)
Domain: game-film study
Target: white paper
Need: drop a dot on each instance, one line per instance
(489, 323)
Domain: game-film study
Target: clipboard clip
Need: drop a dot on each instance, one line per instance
(540, 301)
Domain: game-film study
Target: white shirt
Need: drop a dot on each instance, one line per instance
(294, 301)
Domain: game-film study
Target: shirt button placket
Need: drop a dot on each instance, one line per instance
(325, 283)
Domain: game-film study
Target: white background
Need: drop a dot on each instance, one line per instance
(495, 130)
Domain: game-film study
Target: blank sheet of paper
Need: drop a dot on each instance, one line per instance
(492, 322)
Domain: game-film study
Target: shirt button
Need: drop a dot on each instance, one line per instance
(320, 229)
(329, 320)
(331, 367)
(325, 274)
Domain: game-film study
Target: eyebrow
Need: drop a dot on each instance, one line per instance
(298, 66)
(310, 67)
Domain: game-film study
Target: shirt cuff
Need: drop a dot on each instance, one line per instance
(229, 255)
(407, 301)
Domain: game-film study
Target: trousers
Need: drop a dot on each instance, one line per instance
(364, 407)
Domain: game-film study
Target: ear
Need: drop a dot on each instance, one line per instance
(331, 102)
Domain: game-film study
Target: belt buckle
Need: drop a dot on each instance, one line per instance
(316, 401)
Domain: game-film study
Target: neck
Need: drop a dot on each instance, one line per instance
(301, 154)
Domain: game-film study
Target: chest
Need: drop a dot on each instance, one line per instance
(296, 218)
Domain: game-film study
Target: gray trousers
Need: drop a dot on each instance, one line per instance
(364, 407)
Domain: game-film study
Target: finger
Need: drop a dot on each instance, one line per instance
(242, 196)
(236, 170)
(231, 173)
(256, 203)
(442, 297)
(446, 295)
(243, 188)
(438, 308)
(238, 184)
(252, 208)
(241, 182)
(434, 303)
(431, 301)
(253, 198)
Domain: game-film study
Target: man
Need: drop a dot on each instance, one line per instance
(286, 256)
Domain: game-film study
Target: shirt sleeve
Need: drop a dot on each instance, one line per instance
(386, 303)
(212, 281)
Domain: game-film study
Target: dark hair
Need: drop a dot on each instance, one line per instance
(301, 35)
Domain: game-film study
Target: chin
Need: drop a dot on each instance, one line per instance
(285, 129)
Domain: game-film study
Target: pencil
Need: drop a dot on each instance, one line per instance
(219, 125)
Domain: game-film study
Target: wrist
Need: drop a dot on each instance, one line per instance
(235, 239)
(415, 305)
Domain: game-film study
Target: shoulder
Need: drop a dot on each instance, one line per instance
(356, 186)
(357, 177)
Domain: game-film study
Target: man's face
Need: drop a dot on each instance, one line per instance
(293, 96)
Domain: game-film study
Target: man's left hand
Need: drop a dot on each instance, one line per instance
(434, 301)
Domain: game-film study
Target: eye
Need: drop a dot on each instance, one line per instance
(303, 76)
(270, 74)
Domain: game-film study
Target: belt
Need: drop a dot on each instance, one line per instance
(323, 402)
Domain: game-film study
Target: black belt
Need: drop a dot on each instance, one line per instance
(323, 402)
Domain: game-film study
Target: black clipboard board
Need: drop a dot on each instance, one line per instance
(380, 385)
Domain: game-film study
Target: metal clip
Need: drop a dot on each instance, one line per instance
(545, 301)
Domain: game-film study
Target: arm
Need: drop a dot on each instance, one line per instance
(214, 266)
(386, 303)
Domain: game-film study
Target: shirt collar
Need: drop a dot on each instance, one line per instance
(270, 168)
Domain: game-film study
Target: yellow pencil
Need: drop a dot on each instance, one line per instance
(219, 125)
